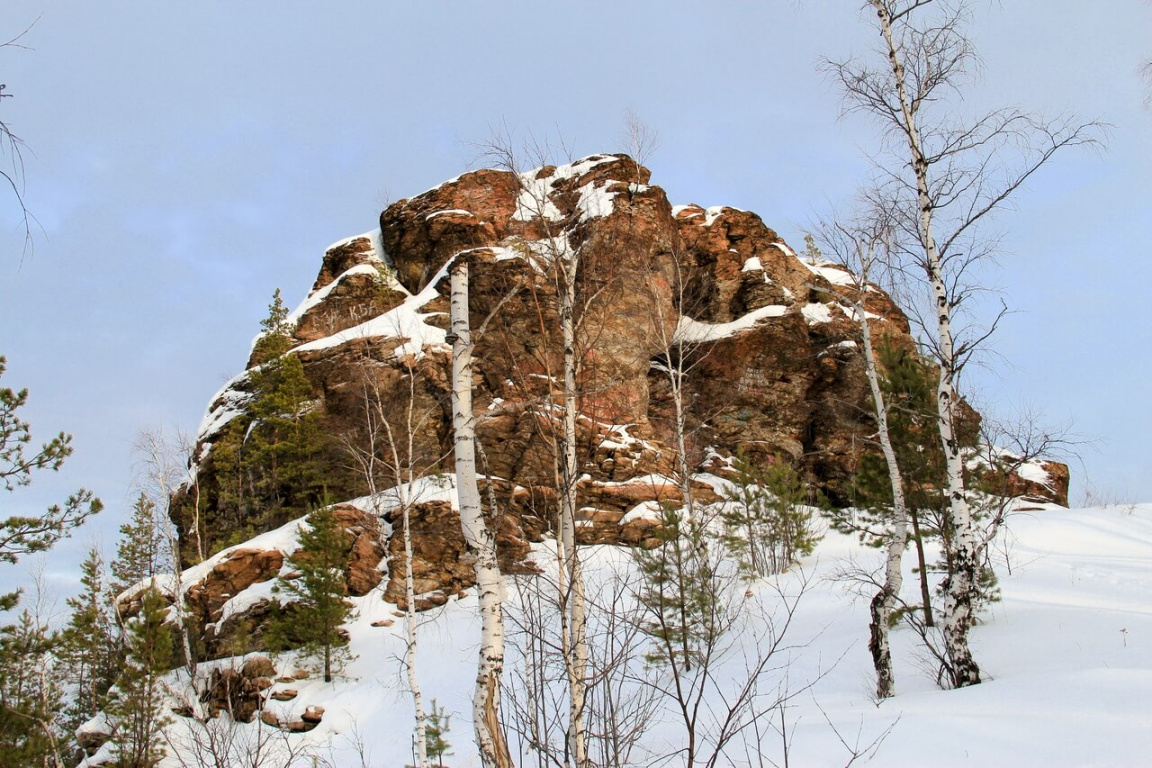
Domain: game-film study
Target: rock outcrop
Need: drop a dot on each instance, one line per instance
(768, 339)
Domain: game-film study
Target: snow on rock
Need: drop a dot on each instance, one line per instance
(224, 406)
(448, 212)
(617, 437)
(595, 200)
(648, 510)
(535, 199)
(689, 331)
(716, 211)
(428, 488)
(783, 247)
(815, 313)
(284, 539)
(315, 297)
(1034, 472)
(854, 315)
(405, 321)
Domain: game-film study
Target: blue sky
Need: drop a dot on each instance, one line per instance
(185, 159)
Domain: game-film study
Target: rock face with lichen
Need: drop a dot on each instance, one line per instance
(767, 337)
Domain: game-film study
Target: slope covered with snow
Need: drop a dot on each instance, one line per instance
(1067, 656)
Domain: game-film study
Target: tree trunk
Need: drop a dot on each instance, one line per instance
(573, 593)
(410, 652)
(960, 585)
(885, 599)
(480, 539)
(925, 589)
(327, 658)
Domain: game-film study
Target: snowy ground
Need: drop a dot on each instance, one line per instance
(1067, 655)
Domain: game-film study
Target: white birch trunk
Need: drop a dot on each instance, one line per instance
(404, 490)
(480, 539)
(960, 585)
(885, 600)
(158, 455)
(410, 585)
(178, 604)
(573, 594)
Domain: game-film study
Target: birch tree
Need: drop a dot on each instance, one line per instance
(387, 456)
(159, 474)
(947, 176)
(479, 537)
(856, 245)
(555, 256)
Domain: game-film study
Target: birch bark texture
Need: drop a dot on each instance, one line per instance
(855, 245)
(945, 176)
(555, 256)
(478, 536)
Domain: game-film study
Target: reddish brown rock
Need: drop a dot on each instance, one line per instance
(790, 385)
(240, 570)
(366, 550)
(297, 726)
(258, 666)
(440, 564)
(239, 692)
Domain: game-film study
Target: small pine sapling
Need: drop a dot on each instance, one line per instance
(276, 334)
(31, 695)
(312, 619)
(767, 523)
(679, 591)
(89, 647)
(438, 724)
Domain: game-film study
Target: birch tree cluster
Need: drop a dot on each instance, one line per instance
(942, 176)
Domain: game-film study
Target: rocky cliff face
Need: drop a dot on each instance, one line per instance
(768, 340)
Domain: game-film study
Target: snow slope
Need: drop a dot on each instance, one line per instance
(1067, 655)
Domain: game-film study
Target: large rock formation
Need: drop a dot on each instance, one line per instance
(767, 337)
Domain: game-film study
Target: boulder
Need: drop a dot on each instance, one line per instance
(239, 570)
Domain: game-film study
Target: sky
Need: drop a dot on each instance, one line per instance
(183, 160)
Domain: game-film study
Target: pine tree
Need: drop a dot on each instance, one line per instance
(680, 591)
(276, 335)
(767, 524)
(138, 551)
(908, 385)
(30, 695)
(88, 648)
(136, 705)
(272, 465)
(286, 445)
(25, 534)
(313, 619)
(436, 733)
